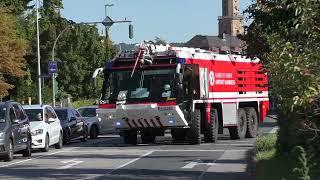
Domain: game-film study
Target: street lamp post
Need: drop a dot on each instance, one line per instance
(52, 59)
(38, 52)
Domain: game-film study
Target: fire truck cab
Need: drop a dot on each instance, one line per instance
(188, 90)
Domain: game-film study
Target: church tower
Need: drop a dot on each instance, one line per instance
(230, 22)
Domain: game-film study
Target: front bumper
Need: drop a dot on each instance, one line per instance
(38, 141)
(143, 116)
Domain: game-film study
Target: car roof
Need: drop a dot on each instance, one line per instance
(35, 106)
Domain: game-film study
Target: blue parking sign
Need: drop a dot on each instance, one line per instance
(52, 67)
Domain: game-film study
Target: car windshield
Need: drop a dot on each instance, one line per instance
(151, 85)
(34, 114)
(2, 113)
(62, 114)
(87, 112)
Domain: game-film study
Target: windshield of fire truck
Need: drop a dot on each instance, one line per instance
(145, 85)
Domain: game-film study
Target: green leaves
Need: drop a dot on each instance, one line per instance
(290, 30)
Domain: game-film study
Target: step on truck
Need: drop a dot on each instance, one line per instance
(192, 92)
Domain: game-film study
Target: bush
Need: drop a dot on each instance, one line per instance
(81, 103)
(265, 143)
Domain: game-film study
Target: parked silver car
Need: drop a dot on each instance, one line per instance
(95, 125)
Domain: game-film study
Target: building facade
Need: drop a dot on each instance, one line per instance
(230, 22)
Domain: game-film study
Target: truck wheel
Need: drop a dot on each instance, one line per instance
(239, 132)
(147, 136)
(211, 132)
(130, 137)
(252, 123)
(194, 133)
(178, 135)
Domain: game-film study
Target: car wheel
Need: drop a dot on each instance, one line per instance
(59, 145)
(9, 155)
(46, 146)
(27, 151)
(93, 132)
(84, 136)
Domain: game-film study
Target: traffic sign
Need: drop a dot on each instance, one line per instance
(52, 67)
(108, 22)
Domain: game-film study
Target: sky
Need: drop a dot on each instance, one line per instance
(171, 20)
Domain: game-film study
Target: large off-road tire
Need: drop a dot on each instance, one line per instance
(10, 151)
(252, 123)
(239, 132)
(212, 128)
(46, 146)
(147, 136)
(59, 145)
(178, 135)
(130, 137)
(194, 133)
(27, 152)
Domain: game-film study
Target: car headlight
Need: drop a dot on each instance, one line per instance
(2, 135)
(36, 132)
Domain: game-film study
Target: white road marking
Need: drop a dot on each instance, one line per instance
(236, 167)
(121, 166)
(132, 161)
(73, 163)
(26, 160)
(30, 159)
(197, 162)
(119, 151)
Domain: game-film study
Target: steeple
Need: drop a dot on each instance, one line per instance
(230, 22)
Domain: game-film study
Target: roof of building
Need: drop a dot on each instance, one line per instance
(217, 43)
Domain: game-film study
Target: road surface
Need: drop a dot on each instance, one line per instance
(108, 158)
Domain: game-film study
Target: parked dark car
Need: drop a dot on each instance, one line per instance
(15, 133)
(95, 125)
(73, 125)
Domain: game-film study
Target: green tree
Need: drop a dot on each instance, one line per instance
(285, 34)
(12, 51)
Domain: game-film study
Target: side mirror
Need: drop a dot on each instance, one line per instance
(15, 121)
(50, 120)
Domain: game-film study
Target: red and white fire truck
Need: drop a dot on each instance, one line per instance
(188, 90)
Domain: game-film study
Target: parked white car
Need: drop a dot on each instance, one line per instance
(94, 123)
(45, 125)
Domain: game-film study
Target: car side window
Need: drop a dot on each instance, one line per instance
(52, 113)
(46, 115)
(12, 114)
(18, 112)
(23, 114)
(77, 114)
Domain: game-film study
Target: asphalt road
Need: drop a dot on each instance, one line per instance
(108, 158)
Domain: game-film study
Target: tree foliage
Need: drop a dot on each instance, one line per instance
(79, 51)
(12, 51)
(285, 34)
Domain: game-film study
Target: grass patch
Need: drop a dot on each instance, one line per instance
(81, 103)
(268, 164)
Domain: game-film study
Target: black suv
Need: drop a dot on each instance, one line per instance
(15, 135)
(73, 124)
